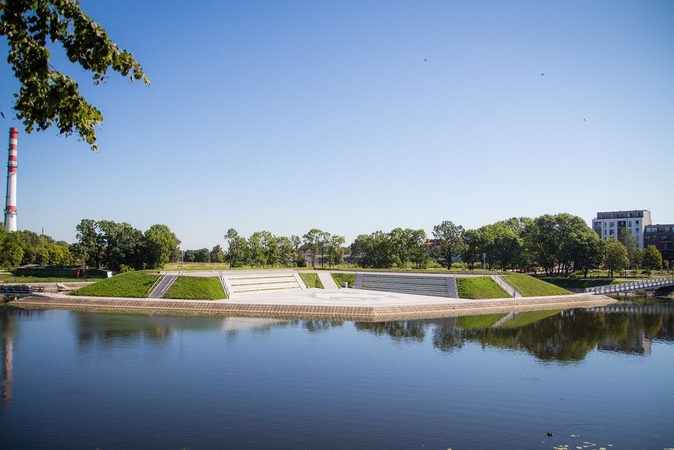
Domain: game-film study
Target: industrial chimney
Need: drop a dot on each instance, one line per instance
(10, 204)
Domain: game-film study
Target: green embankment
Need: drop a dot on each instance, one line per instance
(472, 322)
(341, 278)
(130, 284)
(529, 286)
(578, 283)
(196, 288)
(478, 288)
(311, 280)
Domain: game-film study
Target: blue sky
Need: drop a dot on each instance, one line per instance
(360, 116)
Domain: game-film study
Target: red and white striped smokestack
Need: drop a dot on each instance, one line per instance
(10, 204)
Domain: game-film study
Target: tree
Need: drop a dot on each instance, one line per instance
(588, 252)
(202, 255)
(217, 255)
(448, 242)
(237, 252)
(615, 256)
(312, 243)
(158, 244)
(631, 243)
(47, 97)
(652, 259)
(11, 251)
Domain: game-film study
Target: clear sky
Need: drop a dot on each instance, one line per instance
(358, 116)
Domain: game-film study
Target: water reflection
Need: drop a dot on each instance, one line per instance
(563, 336)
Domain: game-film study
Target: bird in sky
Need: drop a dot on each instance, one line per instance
(542, 74)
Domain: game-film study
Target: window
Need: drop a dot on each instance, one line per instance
(611, 225)
(629, 214)
(637, 245)
(612, 233)
(629, 224)
(667, 229)
(637, 222)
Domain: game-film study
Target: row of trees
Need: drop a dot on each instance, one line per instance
(263, 249)
(119, 246)
(559, 243)
(27, 247)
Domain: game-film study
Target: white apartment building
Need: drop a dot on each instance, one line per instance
(609, 224)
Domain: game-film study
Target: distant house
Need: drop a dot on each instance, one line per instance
(37, 270)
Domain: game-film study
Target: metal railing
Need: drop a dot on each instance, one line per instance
(642, 285)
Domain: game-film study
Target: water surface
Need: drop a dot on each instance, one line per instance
(594, 378)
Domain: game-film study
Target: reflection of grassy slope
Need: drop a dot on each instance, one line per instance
(196, 288)
(526, 318)
(578, 283)
(341, 278)
(311, 280)
(130, 284)
(479, 288)
(533, 287)
(470, 322)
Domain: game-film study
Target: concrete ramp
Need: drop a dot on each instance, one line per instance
(162, 286)
(435, 286)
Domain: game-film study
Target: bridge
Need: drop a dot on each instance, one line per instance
(642, 285)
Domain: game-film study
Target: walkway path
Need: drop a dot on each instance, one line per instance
(327, 280)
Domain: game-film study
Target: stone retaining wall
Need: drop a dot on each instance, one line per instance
(305, 311)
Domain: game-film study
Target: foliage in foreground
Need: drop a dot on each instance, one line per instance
(341, 278)
(529, 286)
(311, 280)
(478, 288)
(196, 288)
(130, 284)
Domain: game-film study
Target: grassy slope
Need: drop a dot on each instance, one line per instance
(196, 288)
(130, 284)
(479, 288)
(311, 280)
(533, 287)
(341, 278)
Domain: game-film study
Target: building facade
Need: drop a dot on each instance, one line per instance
(609, 224)
(662, 237)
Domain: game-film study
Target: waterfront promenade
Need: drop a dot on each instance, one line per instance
(325, 304)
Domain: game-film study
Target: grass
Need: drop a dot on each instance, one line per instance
(529, 286)
(529, 317)
(196, 288)
(473, 322)
(341, 278)
(311, 280)
(7, 278)
(478, 288)
(130, 284)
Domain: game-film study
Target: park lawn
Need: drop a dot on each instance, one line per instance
(341, 278)
(478, 288)
(196, 288)
(8, 278)
(529, 286)
(129, 284)
(578, 283)
(473, 322)
(529, 317)
(311, 280)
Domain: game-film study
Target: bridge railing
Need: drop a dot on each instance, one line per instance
(631, 286)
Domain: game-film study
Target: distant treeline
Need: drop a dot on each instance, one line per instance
(559, 243)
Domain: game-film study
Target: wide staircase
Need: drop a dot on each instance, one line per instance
(435, 286)
(256, 284)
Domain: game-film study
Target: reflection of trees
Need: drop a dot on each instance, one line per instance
(414, 330)
(568, 336)
(315, 326)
